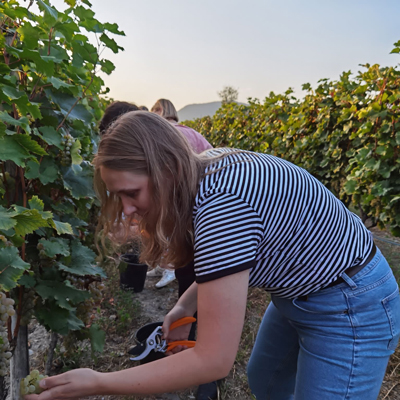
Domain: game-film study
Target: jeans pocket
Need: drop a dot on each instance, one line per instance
(391, 304)
(319, 307)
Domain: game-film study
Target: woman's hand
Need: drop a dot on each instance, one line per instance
(71, 385)
(180, 333)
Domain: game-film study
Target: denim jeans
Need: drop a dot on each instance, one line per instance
(333, 345)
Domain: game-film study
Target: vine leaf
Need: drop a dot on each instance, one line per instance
(6, 219)
(58, 319)
(11, 267)
(63, 293)
(54, 246)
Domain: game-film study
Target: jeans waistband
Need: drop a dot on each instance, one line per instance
(356, 269)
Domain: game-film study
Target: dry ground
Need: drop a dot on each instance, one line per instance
(151, 305)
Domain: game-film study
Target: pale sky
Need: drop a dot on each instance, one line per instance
(186, 50)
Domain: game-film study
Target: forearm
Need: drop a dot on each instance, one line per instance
(179, 371)
(188, 300)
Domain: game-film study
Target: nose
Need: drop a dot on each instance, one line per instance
(128, 208)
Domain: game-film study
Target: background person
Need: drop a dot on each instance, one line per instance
(247, 219)
(167, 110)
(113, 111)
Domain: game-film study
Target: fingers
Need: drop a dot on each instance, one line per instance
(165, 326)
(175, 350)
(58, 380)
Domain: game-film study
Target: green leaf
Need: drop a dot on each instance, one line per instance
(398, 138)
(57, 83)
(36, 204)
(58, 319)
(25, 107)
(62, 227)
(54, 246)
(27, 280)
(113, 28)
(83, 13)
(395, 199)
(10, 149)
(46, 171)
(107, 66)
(30, 145)
(350, 187)
(67, 105)
(43, 65)
(51, 136)
(50, 13)
(71, 3)
(4, 69)
(12, 93)
(29, 34)
(28, 221)
(110, 43)
(75, 150)
(22, 122)
(12, 267)
(97, 338)
(80, 184)
(62, 292)
(82, 261)
(6, 219)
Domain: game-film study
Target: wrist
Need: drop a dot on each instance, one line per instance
(102, 383)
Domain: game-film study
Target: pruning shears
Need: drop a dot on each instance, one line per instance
(155, 342)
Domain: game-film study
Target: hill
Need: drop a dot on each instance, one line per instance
(192, 111)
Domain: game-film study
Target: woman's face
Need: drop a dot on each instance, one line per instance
(131, 188)
(157, 110)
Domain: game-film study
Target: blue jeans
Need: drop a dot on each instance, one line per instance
(333, 345)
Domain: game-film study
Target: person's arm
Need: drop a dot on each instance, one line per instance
(221, 310)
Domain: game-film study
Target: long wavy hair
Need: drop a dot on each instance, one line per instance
(145, 143)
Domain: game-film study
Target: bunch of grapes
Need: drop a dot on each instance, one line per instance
(6, 311)
(67, 140)
(95, 289)
(28, 306)
(30, 384)
(45, 260)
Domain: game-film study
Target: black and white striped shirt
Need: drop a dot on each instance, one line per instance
(268, 215)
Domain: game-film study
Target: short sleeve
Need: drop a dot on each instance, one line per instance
(227, 234)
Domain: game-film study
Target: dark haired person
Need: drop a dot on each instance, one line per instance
(113, 111)
(246, 219)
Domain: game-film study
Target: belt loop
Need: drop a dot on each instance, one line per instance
(348, 280)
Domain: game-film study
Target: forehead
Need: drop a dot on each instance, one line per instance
(117, 181)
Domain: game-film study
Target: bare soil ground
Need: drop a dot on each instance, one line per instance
(121, 314)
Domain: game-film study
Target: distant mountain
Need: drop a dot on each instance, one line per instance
(193, 111)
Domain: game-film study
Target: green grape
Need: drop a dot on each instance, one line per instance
(35, 373)
(30, 384)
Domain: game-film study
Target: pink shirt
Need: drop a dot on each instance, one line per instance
(195, 139)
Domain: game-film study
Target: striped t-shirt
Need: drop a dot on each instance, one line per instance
(263, 213)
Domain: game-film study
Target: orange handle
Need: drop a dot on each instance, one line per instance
(182, 321)
(187, 343)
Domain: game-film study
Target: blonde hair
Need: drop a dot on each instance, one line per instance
(166, 109)
(145, 143)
